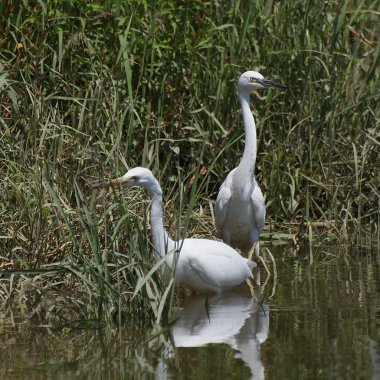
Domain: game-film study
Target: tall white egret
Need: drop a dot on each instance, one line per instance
(240, 207)
(203, 265)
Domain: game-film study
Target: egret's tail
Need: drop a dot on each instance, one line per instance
(251, 264)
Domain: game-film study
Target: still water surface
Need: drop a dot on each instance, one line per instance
(319, 321)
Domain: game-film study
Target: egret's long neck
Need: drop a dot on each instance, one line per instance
(161, 240)
(247, 163)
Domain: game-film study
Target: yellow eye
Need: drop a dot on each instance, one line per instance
(252, 79)
(135, 178)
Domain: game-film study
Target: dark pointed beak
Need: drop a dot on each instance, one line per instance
(269, 83)
(112, 182)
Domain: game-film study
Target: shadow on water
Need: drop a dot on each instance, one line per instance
(322, 322)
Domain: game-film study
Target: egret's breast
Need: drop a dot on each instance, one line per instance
(239, 221)
(239, 211)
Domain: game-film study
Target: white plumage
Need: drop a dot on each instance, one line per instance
(240, 207)
(203, 265)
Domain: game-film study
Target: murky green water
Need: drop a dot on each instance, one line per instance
(312, 322)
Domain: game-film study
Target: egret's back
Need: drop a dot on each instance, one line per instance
(208, 265)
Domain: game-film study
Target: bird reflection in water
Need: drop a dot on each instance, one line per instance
(233, 318)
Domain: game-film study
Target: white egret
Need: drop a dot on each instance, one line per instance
(203, 265)
(240, 207)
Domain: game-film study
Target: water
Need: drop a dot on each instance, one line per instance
(311, 322)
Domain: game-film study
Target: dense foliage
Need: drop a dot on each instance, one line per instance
(89, 88)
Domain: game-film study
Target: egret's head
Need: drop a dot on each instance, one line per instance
(252, 80)
(135, 177)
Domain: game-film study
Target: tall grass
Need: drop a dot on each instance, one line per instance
(89, 89)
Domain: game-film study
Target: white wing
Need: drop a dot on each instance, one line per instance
(211, 264)
(223, 200)
(258, 206)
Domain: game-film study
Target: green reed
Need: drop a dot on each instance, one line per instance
(89, 89)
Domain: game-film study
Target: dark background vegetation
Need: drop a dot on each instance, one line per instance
(91, 88)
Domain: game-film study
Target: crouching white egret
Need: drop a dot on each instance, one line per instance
(203, 265)
(240, 207)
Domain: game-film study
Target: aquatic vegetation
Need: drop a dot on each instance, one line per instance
(90, 88)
